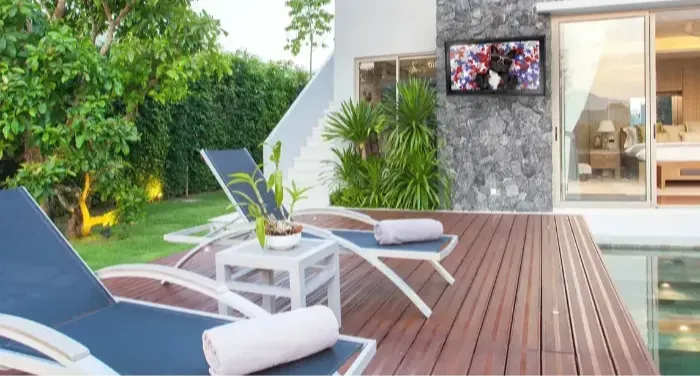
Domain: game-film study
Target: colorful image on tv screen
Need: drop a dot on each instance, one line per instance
(493, 67)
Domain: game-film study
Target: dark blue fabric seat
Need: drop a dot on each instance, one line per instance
(42, 279)
(366, 240)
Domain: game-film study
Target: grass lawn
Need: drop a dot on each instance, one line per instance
(143, 242)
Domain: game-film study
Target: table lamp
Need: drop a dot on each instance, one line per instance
(607, 127)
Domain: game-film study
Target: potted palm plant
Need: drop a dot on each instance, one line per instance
(274, 227)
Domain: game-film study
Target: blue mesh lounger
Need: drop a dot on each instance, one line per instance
(56, 317)
(225, 162)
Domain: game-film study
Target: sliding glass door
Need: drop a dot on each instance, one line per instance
(603, 122)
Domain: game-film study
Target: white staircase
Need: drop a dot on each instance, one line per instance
(300, 130)
(309, 169)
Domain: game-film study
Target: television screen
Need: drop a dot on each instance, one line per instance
(504, 66)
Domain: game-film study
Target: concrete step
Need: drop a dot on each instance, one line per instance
(317, 132)
(311, 155)
(317, 143)
(312, 169)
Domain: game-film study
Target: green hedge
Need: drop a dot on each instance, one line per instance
(237, 111)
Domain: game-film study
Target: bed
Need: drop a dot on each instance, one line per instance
(675, 161)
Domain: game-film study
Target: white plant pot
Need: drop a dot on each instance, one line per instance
(283, 242)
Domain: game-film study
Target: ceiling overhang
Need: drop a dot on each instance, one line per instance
(578, 7)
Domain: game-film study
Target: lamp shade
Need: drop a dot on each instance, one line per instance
(606, 126)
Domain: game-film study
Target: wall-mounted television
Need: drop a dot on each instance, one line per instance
(510, 66)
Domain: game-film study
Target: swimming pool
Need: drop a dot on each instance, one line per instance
(662, 292)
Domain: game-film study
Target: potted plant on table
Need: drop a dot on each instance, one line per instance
(274, 227)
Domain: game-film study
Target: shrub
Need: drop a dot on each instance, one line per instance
(356, 123)
(238, 111)
(407, 174)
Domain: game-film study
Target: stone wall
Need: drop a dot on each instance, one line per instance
(495, 142)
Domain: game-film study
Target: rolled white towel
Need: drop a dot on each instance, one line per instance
(399, 231)
(248, 346)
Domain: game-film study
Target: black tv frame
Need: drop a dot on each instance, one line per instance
(542, 91)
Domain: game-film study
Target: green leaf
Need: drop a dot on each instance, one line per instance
(79, 140)
(11, 51)
(3, 44)
(254, 211)
(42, 108)
(260, 231)
(279, 191)
(271, 182)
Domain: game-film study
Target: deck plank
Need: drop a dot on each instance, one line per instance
(491, 350)
(524, 346)
(393, 307)
(426, 348)
(458, 350)
(557, 340)
(404, 331)
(627, 348)
(592, 354)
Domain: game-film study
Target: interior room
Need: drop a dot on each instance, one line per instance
(678, 107)
(607, 153)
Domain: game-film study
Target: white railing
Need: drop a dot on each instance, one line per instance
(300, 119)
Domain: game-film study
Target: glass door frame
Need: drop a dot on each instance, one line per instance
(650, 109)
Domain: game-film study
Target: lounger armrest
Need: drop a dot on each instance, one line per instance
(48, 341)
(51, 343)
(369, 349)
(185, 279)
(338, 212)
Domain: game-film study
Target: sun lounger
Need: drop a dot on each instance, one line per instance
(56, 317)
(362, 243)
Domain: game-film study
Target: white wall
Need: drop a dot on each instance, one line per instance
(367, 28)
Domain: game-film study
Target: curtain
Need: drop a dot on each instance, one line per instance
(582, 46)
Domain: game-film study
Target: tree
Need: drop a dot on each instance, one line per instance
(73, 74)
(309, 23)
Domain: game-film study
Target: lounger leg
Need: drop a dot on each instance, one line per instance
(334, 289)
(268, 301)
(223, 276)
(443, 272)
(400, 283)
(297, 287)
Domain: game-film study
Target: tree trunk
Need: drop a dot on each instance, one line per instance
(363, 150)
(31, 153)
(75, 224)
(311, 56)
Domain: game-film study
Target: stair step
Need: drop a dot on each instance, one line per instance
(318, 158)
(309, 169)
(318, 143)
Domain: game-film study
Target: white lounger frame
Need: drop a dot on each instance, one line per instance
(232, 232)
(71, 357)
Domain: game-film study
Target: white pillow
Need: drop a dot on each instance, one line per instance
(642, 155)
(631, 137)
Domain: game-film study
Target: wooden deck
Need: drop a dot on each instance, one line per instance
(531, 296)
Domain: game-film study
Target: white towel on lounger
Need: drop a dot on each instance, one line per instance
(248, 346)
(399, 231)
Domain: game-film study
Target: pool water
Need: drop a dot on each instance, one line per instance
(661, 289)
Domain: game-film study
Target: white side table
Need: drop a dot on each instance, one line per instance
(321, 255)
